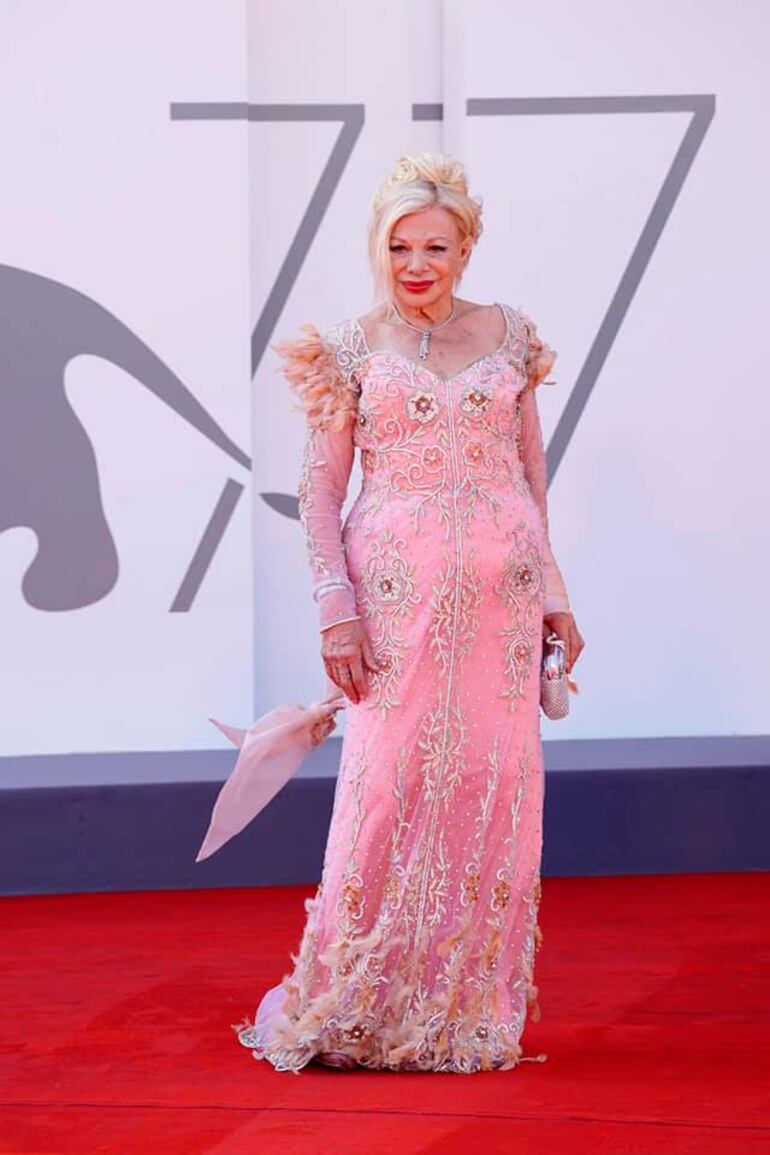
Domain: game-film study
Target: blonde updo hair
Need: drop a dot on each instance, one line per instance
(417, 182)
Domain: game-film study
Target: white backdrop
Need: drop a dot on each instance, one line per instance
(104, 193)
(180, 222)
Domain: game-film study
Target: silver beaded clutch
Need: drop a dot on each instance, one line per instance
(554, 680)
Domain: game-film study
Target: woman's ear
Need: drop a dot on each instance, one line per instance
(462, 259)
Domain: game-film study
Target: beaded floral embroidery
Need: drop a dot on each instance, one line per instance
(419, 945)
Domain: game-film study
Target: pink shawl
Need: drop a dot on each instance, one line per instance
(271, 751)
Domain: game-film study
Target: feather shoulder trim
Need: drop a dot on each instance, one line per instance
(310, 366)
(539, 358)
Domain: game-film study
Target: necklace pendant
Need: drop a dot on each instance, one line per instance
(424, 344)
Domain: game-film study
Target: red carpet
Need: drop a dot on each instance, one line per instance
(115, 1016)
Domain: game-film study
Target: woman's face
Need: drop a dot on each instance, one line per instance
(427, 253)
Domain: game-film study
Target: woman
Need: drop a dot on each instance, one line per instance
(434, 597)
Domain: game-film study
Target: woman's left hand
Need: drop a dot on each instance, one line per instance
(563, 625)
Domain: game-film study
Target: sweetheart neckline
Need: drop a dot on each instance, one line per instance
(496, 352)
(426, 369)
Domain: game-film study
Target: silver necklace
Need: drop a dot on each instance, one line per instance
(426, 334)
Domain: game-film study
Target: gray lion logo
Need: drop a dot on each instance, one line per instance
(49, 479)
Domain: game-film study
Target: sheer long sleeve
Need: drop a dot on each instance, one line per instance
(329, 401)
(539, 361)
(326, 467)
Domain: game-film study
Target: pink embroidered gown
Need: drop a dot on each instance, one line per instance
(419, 944)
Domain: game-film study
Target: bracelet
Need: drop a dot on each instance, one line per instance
(329, 585)
(355, 618)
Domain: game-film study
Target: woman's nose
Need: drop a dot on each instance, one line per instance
(416, 259)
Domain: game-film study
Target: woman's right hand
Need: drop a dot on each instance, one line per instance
(347, 655)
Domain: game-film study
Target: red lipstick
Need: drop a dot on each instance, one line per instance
(417, 286)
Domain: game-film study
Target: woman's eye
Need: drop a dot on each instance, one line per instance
(431, 248)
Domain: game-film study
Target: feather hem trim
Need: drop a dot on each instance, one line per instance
(451, 1031)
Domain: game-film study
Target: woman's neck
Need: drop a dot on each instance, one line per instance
(426, 316)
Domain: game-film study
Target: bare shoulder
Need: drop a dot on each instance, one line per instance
(374, 316)
(372, 323)
(486, 322)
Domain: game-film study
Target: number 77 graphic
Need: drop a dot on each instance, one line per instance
(351, 118)
(702, 107)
